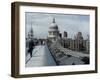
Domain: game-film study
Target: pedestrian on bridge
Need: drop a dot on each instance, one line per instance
(31, 47)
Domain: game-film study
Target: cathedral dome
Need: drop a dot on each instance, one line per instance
(53, 25)
(53, 31)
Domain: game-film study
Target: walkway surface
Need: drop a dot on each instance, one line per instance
(41, 57)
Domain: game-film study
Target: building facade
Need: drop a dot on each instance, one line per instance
(76, 44)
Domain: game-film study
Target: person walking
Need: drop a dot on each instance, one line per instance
(31, 46)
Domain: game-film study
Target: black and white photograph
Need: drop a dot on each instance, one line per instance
(56, 39)
(52, 39)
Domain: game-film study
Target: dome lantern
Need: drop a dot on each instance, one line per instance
(53, 20)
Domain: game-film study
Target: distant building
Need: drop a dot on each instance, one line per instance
(79, 36)
(60, 35)
(79, 41)
(31, 34)
(53, 31)
(76, 44)
(87, 44)
(65, 34)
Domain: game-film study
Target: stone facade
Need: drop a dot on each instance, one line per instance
(77, 44)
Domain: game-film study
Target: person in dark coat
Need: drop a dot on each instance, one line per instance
(31, 46)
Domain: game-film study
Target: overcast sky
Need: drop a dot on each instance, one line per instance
(70, 23)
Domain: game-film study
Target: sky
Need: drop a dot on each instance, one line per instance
(71, 23)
